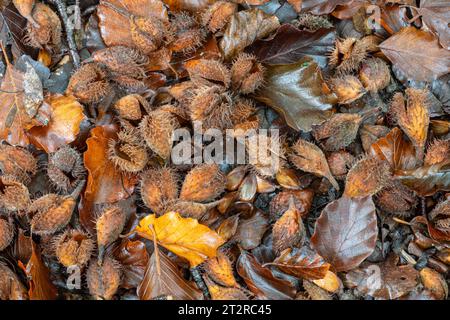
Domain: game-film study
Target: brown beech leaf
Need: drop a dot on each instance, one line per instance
(396, 150)
(436, 15)
(426, 180)
(41, 287)
(383, 280)
(64, 126)
(346, 232)
(250, 231)
(301, 263)
(261, 280)
(319, 7)
(417, 53)
(115, 27)
(105, 183)
(187, 5)
(10, 286)
(162, 278)
(299, 93)
(291, 44)
(244, 28)
(133, 258)
(183, 236)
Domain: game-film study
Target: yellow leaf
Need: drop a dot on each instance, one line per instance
(183, 236)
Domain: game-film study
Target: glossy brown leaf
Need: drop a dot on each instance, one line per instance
(320, 7)
(261, 280)
(396, 150)
(427, 179)
(41, 286)
(410, 48)
(346, 232)
(302, 263)
(64, 126)
(250, 231)
(105, 183)
(188, 5)
(244, 28)
(291, 44)
(436, 15)
(133, 258)
(383, 280)
(162, 278)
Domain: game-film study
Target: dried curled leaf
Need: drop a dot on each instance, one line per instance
(346, 232)
(244, 28)
(183, 236)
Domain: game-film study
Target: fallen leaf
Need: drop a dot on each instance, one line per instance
(302, 263)
(244, 28)
(346, 232)
(183, 236)
(299, 93)
(319, 7)
(417, 53)
(291, 44)
(383, 280)
(162, 278)
(105, 183)
(133, 258)
(261, 281)
(396, 150)
(41, 286)
(188, 5)
(436, 15)
(64, 126)
(10, 286)
(426, 180)
(250, 231)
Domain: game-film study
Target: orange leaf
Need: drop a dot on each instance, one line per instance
(105, 184)
(64, 125)
(183, 236)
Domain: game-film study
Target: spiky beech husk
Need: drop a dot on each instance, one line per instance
(11, 287)
(247, 74)
(280, 203)
(109, 225)
(65, 168)
(397, 200)
(220, 269)
(147, 34)
(187, 35)
(349, 53)
(122, 60)
(209, 72)
(203, 183)
(367, 177)
(157, 130)
(190, 209)
(374, 74)
(339, 131)
(159, 187)
(132, 107)
(89, 84)
(14, 196)
(51, 213)
(440, 216)
(103, 279)
(414, 117)
(128, 153)
(315, 292)
(73, 247)
(244, 117)
(17, 162)
(44, 29)
(339, 163)
(217, 15)
(347, 88)
(212, 107)
(6, 234)
(437, 152)
(312, 22)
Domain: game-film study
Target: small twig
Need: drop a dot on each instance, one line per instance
(200, 282)
(62, 9)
